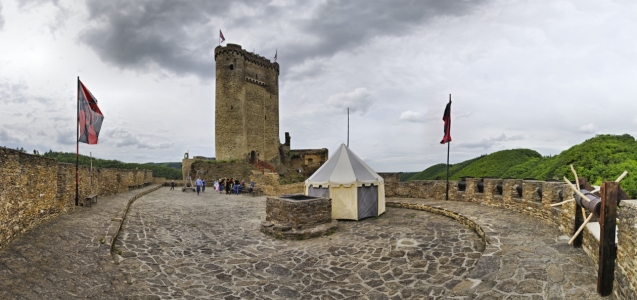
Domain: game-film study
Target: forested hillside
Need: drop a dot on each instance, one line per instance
(158, 170)
(603, 157)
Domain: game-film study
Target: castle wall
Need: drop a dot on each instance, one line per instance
(35, 188)
(307, 160)
(246, 105)
(536, 198)
(211, 170)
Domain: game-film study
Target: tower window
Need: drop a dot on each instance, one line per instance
(231, 67)
(230, 107)
(256, 76)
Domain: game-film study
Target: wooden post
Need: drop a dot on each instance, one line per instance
(579, 220)
(607, 247)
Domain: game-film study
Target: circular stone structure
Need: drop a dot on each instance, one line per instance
(298, 217)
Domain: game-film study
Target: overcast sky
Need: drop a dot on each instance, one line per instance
(543, 75)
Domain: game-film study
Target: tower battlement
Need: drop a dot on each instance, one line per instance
(248, 56)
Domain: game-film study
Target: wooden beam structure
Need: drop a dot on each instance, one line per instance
(607, 246)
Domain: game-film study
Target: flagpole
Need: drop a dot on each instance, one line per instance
(448, 149)
(348, 127)
(77, 146)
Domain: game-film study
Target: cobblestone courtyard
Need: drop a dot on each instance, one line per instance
(180, 245)
(176, 245)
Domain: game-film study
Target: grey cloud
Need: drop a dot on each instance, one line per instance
(7, 137)
(66, 138)
(1, 18)
(32, 3)
(411, 116)
(588, 128)
(174, 35)
(179, 35)
(490, 142)
(340, 25)
(359, 101)
(16, 92)
(128, 139)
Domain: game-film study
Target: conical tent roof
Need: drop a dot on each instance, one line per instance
(344, 168)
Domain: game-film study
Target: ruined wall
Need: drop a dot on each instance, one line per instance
(306, 160)
(246, 105)
(211, 170)
(535, 199)
(391, 176)
(34, 188)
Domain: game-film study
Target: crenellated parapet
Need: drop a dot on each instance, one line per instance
(248, 56)
(534, 198)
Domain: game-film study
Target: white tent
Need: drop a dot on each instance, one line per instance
(357, 192)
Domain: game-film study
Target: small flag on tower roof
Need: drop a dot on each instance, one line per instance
(221, 38)
(276, 52)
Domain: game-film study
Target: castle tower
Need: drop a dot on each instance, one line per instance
(246, 105)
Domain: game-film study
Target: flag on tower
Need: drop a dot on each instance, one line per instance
(447, 118)
(90, 116)
(276, 52)
(221, 38)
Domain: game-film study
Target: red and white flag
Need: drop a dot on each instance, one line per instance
(276, 52)
(221, 38)
(90, 116)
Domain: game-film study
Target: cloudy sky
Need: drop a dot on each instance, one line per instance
(522, 74)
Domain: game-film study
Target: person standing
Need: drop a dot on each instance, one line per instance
(203, 186)
(199, 183)
(228, 186)
(172, 185)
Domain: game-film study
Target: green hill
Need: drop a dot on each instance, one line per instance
(603, 157)
(406, 175)
(158, 170)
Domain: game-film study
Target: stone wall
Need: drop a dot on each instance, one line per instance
(306, 160)
(298, 214)
(34, 188)
(390, 176)
(625, 285)
(211, 170)
(536, 197)
(28, 192)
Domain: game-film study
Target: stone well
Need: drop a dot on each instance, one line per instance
(298, 217)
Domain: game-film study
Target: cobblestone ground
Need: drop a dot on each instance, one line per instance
(63, 258)
(179, 245)
(526, 258)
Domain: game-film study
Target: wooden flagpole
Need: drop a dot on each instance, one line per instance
(348, 127)
(77, 146)
(448, 149)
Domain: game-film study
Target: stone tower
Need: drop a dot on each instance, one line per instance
(246, 105)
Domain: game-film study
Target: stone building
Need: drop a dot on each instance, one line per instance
(247, 122)
(246, 105)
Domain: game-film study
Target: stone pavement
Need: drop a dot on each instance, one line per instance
(177, 245)
(182, 246)
(66, 257)
(525, 258)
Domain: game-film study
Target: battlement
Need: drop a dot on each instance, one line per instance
(248, 56)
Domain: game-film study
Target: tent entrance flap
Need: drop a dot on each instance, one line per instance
(318, 192)
(367, 201)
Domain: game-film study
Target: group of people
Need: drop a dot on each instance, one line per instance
(230, 185)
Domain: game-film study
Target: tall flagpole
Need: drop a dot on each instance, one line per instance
(77, 146)
(348, 127)
(448, 148)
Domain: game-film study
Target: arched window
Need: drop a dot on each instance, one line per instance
(231, 67)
